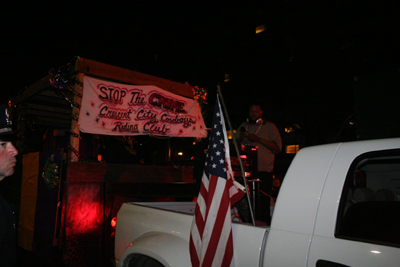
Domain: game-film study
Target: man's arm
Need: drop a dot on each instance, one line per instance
(271, 145)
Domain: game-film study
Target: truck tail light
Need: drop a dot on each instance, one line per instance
(114, 222)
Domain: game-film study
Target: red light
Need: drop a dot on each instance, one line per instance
(243, 156)
(114, 222)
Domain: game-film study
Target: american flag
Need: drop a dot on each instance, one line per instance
(211, 242)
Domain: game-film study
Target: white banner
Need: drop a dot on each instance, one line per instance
(118, 109)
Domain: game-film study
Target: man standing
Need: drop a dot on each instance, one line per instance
(7, 163)
(265, 135)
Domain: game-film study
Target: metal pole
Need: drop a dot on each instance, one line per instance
(237, 151)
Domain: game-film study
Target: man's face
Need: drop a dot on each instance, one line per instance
(255, 113)
(7, 159)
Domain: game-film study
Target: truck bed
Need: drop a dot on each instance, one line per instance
(143, 219)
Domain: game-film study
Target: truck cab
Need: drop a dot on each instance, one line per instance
(339, 206)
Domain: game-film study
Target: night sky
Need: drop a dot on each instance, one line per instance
(302, 67)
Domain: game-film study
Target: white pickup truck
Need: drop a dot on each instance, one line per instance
(339, 205)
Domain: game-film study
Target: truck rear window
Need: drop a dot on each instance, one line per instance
(370, 204)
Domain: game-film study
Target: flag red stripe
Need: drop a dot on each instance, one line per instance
(193, 252)
(211, 191)
(200, 221)
(228, 257)
(238, 195)
(224, 207)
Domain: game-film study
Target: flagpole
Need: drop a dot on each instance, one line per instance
(237, 151)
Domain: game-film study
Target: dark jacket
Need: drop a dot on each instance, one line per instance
(7, 234)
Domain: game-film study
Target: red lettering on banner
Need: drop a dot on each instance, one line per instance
(166, 103)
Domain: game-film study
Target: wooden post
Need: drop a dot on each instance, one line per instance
(75, 136)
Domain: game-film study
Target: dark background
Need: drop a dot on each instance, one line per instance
(329, 70)
(302, 67)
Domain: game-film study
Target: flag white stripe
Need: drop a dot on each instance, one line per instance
(212, 215)
(194, 232)
(225, 233)
(197, 239)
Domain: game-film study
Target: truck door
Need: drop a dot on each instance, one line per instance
(358, 220)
